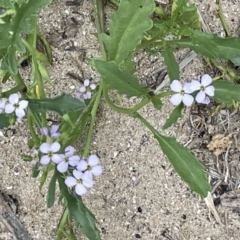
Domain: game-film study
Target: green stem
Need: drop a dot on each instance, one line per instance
(222, 18)
(124, 110)
(114, 3)
(145, 122)
(31, 128)
(93, 115)
(164, 94)
(62, 223)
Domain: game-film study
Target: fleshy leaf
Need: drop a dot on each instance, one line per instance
(126, 28)
(51, 189)
(185, 164)
(176, 113)
(81, 215)
(170, 62)
(62, 104)
(4, 121)
(226, 92)
(122, 81)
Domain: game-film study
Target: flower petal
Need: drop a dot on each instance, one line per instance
(23, 104)
(187, 88)
(187, 100)
(210, 91)
(57, 158)
(55, 147)
(45, 160)
(19, 112)
(74, 160)
(195, 85)
(82, 165)
(3, 102)
(44, 131)
(69, 151)
(86, 82)
(70, 181)
(82, 89)
(13, 98)
(176, 99)
(93, 160)
(206, 80)
(176, 86)
(44, 147)
(62, 167)
(53, 131)
(77, 174)
(80, 189)
(93, 86)
(200, 97)
(97, 170)
(9, 108)
(206, 100)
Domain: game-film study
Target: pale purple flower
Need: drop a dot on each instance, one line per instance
(85, 92)
(51, 153)
(15, 105)
(182, 93)
(205, 88)
(52, 132)
(91, 165)
(80, 182)
(68, 159)
(3, 102)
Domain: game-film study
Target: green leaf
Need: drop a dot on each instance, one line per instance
(61, 104)
(51, 189)
(170, 62)
(156, 102)
(211, 46)
(176, 8)
(20, 23)
(176, 113)
(81, 215)
(122, 81)
(127, 27)
(226, 92)
(4, 120)
(236, 60)
(185, 164)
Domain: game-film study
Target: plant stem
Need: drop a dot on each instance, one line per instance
(31, 129)
(62, 223)
(124, 110)
(93, 115)
(114, 3)
(222, 18)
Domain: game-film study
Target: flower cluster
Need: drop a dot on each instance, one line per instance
(183, 93)
(85, 92)
(79, 171)
(13, 104)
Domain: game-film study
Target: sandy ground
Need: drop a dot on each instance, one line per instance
(139, 196)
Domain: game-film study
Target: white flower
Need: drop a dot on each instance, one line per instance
(16, 105)
(204, 88)
(3, 102)
(68, 159)
(182, 94)
(91, 165)
(81, 181)
(50, 150)
(85, 92)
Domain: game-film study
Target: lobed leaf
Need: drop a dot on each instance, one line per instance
(120, 80)
(127, 27)
(226, 92)
(176, 113)
(20, 23)
(61, 104)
